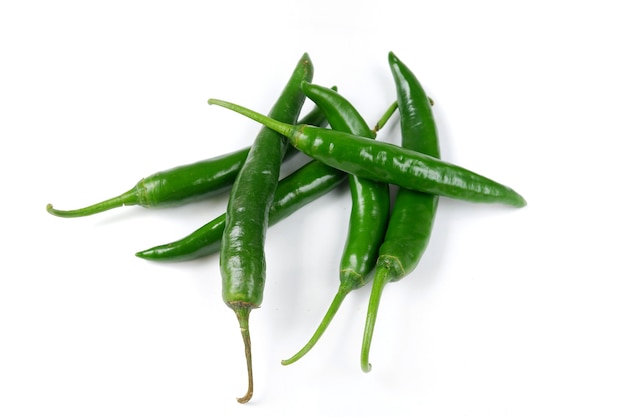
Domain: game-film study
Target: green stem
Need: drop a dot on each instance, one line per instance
(129, 198)
(328, 317)
(243, 316)
(385, 117)
(280, 127)
(381, 277)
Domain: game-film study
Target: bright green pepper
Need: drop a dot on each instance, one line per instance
(368, 217)
(386, 162)
(413, 213)
(182, 184)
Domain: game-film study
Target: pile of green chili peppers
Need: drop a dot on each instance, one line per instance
(385, 239)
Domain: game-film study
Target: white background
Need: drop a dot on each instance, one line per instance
(512, 312)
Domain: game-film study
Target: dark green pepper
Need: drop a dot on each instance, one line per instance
(242, 254)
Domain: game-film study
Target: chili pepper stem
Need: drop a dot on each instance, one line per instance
(126, 199)
(280, 127)
(243, 315)
(385, 117)
(381, 277)
(328, 317)
(388, 113)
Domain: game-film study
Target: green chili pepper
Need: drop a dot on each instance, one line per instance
(386, 162)
(413, 213)
(368, 217)
(293, 192)
(306, 184)
(183, 183)
(242, 255)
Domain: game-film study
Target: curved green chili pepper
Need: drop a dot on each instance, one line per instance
(386, 162)
(368, 217)
(183, 183)
(293, 192)
(413, 213)
(242, 254)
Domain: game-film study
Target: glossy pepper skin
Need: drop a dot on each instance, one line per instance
(413, 213)
(368, 217)
(242, 254)
(370, 199)
(181, 184)
(386, 162)
(306, 184)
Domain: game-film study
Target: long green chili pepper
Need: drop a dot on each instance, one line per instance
(242, 254)
(293, 192)
(368, 217)
(386, 162)
(306, 184)
(182, 184)
(413, 213)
